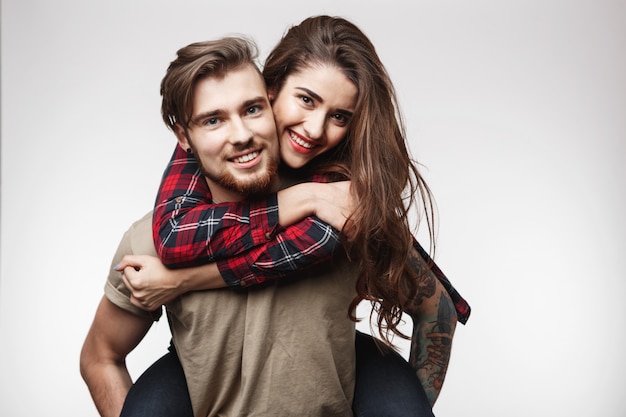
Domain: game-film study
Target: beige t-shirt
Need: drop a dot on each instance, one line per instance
(284, 350)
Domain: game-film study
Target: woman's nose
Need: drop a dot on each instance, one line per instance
(315, 126)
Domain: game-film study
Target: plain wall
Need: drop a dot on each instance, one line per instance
(516, 109)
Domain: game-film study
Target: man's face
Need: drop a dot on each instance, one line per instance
(233, 135)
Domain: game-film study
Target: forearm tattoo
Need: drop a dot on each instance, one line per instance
(431, 346)
(425, 282)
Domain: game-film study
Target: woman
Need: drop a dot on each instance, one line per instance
(350, 129)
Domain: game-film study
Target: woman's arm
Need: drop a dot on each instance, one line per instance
(153, 284)
(190, 230)
(434, 316)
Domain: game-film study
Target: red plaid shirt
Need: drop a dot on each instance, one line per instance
(244, 238)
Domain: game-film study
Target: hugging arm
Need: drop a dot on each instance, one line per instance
(252, 243)
(190, 230)
(152, 283)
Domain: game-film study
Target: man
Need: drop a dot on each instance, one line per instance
(242, 353)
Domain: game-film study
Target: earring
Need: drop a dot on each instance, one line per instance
(189, 150)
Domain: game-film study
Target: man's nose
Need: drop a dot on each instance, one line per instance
(241, 132)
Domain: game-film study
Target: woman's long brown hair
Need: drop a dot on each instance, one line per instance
(374, 155)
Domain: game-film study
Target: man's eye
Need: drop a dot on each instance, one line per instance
(211, 122)
(253, 110)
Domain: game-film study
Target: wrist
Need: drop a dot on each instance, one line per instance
(296, 202)
(184, 279)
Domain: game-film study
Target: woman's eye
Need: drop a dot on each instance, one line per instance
(341, 118)
(306, 100)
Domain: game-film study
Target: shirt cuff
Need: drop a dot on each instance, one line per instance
(263, 219)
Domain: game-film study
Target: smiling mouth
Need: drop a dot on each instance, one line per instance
(300, 141)
(246, 158)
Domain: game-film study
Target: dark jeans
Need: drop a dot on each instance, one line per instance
(161, 391)
(386, 386)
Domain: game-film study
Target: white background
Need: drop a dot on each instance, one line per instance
(516, 108)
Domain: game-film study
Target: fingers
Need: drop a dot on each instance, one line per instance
(140, 296)
(134, 261)
(131, 278)
(137, 297)
(127, 282)
(132, 274)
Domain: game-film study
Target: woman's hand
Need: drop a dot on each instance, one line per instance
(334, 203)
(151, 283)
(331, 202)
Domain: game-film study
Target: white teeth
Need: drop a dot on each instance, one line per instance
(246, 158)
(300, 141)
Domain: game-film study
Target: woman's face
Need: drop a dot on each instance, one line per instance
(312, 113)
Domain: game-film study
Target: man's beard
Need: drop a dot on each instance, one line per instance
(259, 185)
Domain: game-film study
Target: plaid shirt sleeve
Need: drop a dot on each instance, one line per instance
(245, 239)
(188, 229)
(461, 306)
(295, 248)
(279, 261)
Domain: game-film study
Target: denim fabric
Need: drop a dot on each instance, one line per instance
(161, 391)
(386, 385)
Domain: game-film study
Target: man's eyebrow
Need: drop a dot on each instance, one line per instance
(317, 97)
(206, 115)
(254, 101)
(217, 112)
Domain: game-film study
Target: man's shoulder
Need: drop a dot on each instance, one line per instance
(142, 223)
(140, 236)
(136, 241)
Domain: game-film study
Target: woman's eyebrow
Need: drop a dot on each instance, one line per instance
(317, 97)
(311, 93)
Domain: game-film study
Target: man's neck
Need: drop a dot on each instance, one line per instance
(220, 194)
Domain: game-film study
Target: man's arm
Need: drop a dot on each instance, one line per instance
(114, 333)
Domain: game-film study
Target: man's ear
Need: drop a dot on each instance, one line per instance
(180, 135)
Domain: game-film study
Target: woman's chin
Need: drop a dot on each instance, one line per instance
(294, 161)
